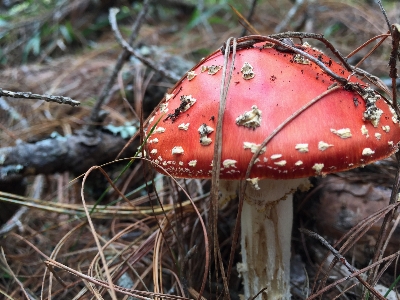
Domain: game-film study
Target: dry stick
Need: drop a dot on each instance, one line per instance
(95, 237)
(319, 37)
(394, 55)
(328, 287)
(354, 235)
(15, 221)
(249, 16)
(206, 241)
(139, 99)
(21, 285)
(53, 255)
(378, 83)
(252, 39)
(131, 292)
(94, 116)
(225, 82)
(290, 14)
(47, 98)
(380, 246)
(384, 14)
(394, 227)
(394, 31)
(385, 267)
(383, 36)
(342, 260)
(164, 72)
(243, 21)
(343, 292)
(157, 197)
(361, 229)
(373, 79)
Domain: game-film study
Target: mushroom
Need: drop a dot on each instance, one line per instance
(270, 87)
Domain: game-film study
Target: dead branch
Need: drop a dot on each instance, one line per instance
(159, 68)
(48, 98)
(94, 117)
(75, 153)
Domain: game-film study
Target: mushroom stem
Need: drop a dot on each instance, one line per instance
(266, 223)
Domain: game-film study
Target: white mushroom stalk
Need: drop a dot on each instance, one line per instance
(266, 226)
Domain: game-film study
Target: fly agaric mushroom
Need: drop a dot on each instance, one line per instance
(346, 127)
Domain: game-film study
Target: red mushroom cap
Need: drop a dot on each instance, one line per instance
(343, 130)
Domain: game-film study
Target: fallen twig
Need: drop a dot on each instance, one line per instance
(118, 66)
(48, 98)
(75, 153)
(342, 260)
(158, 68)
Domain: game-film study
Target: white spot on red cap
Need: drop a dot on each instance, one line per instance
(205, 141)
(364, 131)
(251, 119)
(192, 163)
(367, 152)
(322, 146)
(300, 59)
(164, 107)
(168, 96)
(253, 147)
(183, 126)
(318, 168)
(303, 148)
(154, 151)
(344, 133)
(140, 153)
(378, 136)
(386, 128)
(280, 163)
(212, 70)
(191, 75)
(229, 163)
(247, 71)
(372, 113)
(276, 156)
(298, 163)
(159, 130)
(153, 141)
(177, 150)
(205, 130)
(394, 115)
(188, 100)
